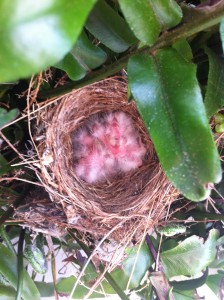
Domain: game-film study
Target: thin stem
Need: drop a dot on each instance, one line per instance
(20, 264)
(108, 277)
(6, 239)
(203, 19)
(151, 247)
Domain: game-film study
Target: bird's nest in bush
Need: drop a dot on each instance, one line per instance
(123, 204)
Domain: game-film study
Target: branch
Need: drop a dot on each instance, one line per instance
(198, 19)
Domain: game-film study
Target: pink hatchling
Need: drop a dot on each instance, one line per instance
(106, 146)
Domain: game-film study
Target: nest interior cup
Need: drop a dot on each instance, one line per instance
(80, 129)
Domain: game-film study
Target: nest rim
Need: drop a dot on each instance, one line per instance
(93, 208)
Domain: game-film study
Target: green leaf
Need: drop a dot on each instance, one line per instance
(171, 229)
(146, 18)
(201, 215)
(4, 165)
(169, 99)
(4, 88)
(7, 116)
(7, 293)
(146, 293)
(220, 241)
(133, 268)
(214, 282)
(190, 284)
(168, 244)
(8, 268)
(222, 33)
(214, 97)
(35, 36)
(218, 263)
(184, 295)
(6, 239)
(88, 54)
(65, 286)
(3, 280)
(184, 49)
(141, 19)
(168, 12)
(138, 266)
(46, 289)
(109, 27)
(72, 67)
(36, 258)
(82, 58)
(191, 256)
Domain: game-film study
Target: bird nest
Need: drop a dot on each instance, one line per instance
(122, 198)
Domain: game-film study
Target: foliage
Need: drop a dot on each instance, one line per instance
(172, 52)
(55, 25)
(171, 115)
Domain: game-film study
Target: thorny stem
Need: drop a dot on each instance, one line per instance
(204, 18)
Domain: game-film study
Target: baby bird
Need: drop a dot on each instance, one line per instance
(106, 146)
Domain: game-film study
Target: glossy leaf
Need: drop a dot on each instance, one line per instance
(214, 282)
(199, 215)
(6, 239)
(36, 258)
(168, 12)
(82, 58)
(132, 269)
(109, 27)
(65, 286)
(214, 97)
(146, 293)
(146, 18)
(4, 88)
(184, 49)
(3, 280)
(35, 36)
(190, 284)
(220, 241)
(171, 229)
(138, 266)
(7, 293)
(8, 268)
(4, 165)
(141, 19)
(191, 256)
(46, 289)
(222, 33)
(169, 99)
(120, 275)
(7, 116)
(72, 67)
(184, 295)
(88, 54)
(218, 263)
